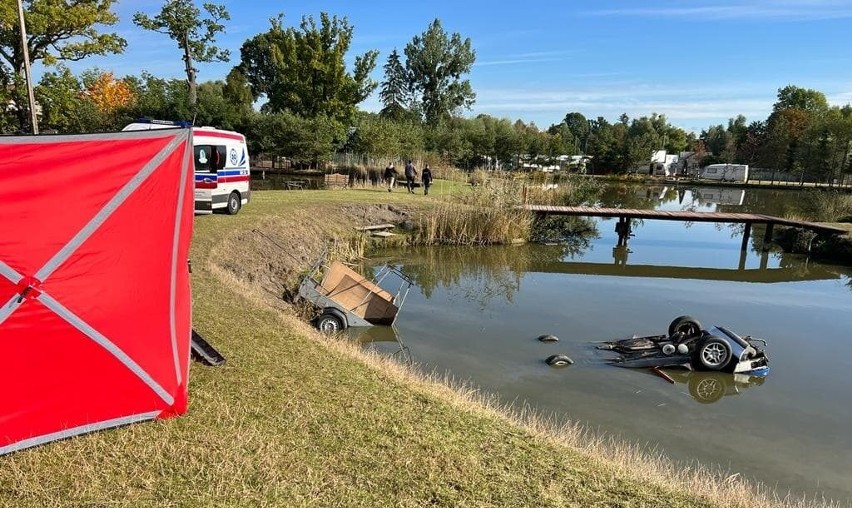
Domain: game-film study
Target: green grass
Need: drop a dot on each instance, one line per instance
(296, 419)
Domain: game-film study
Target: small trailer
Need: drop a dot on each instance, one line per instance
(345, 298)
(726, 172)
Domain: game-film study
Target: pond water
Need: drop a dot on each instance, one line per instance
(476, 313)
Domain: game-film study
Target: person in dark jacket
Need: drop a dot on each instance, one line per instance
(390, 175)
(410, 176)
(427, 179)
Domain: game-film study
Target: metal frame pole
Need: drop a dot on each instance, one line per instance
(27, 72)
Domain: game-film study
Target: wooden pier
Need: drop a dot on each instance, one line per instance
(742, 274)
(625, 214)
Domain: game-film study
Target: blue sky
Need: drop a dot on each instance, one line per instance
(699, 62)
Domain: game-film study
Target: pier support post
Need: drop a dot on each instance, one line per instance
(764, 259)
(743, 256)
(746, 235)
(767, 237)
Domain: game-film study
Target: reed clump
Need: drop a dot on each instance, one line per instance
(830, 206)
(822, 206)
(488, 215)
(563, 190)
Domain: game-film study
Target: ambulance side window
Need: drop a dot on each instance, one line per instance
(204, 156)
(221, 156)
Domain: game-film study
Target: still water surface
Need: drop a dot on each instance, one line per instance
(476, 313)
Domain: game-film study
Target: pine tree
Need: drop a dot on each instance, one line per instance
(395, 92)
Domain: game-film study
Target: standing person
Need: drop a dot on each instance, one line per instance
(390, 176)
(427, 179)
(410, 176)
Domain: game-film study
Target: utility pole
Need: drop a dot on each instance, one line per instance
(27, 72)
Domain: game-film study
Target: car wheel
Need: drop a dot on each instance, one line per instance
(706, 390)
(329, 323)
(559, 361)
(687, 326)
(714, 354)
(234, 203)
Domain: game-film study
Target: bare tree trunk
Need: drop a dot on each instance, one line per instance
(190, 75)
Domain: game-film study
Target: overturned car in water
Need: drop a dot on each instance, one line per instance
(688, 345)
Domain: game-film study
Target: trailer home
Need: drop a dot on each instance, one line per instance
(726, 172)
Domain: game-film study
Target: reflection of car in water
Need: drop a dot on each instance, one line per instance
(687, 345)
(710, 387)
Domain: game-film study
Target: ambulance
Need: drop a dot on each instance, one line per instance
(221, 165)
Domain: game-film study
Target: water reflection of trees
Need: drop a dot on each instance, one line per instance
(629, 196)
(573, 233)
(478, 274)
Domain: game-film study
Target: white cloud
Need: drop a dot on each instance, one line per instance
(701, 106)
(791, 10)
(522, 58)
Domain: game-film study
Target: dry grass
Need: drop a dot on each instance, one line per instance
(829, 206)
(488, 214)
(297, 419)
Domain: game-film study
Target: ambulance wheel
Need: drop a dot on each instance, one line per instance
(234, 203)
(329, 323)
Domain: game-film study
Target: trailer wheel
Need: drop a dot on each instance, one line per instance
(329, 323)
(688, 326)
(234, 203)
(714, 353)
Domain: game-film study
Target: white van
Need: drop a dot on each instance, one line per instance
(221, 166)
(726, 172)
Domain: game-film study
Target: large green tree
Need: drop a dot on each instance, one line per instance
(382, 137)
(303, 71)
(160, 98)
(65, 108)
(720, 142)
(793, 114)
(56, 30)
(579, 127)
(825, 145)
(608, 145)
(806, 99)
(306, 141)
(436, 63)
(195, 35)
(396, 94)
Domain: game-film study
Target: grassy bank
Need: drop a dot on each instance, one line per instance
(296, 419)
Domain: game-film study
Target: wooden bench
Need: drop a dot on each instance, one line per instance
(336, 180)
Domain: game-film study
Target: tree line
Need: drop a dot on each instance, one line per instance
(309, 98)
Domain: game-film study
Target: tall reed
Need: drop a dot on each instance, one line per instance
(489, 214)
(830, 206)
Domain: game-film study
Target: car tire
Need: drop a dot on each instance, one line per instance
(713, 354)
(686, 325)
(706, 390)
(329, 323)
(234, 203)
(559, 361)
